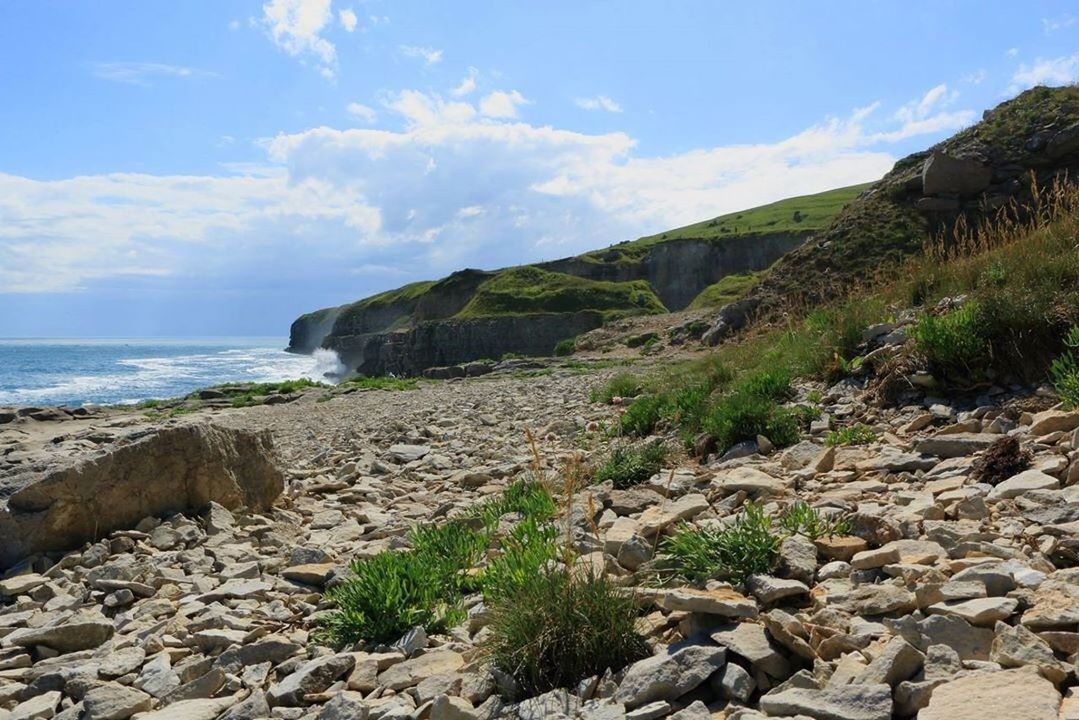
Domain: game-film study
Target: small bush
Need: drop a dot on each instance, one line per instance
(857, 434)
(388, 595)
(747, 547)
(527, 496)
(770, 383)
(622, 385)
(643, 415)
(528, 548)
(953, 343)
(802, 519)
(1001, 460)
(384, 382)
(565, 347)
(558, 629)
(628, 466)
(742, 416)
(1065, 371)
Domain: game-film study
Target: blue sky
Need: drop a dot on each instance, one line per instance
(219, 167)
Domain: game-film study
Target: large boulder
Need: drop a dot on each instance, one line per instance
(946, 175)
(175, 469)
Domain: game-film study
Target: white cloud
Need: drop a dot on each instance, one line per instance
(977, 77)
(600, 102)
(1051, 25)
(296, 27)
(141, 73)
(1057, 71)
(501, 104)
(429, 55)
(348, 19)
(1012, 52)
(365, 113)
(234, 25)
(454, 186)
(467, 85)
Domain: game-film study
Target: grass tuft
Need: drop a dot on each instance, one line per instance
(632, 465)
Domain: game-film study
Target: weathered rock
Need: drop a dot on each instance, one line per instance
(408, 673)
(749, 640)
(943, 174)
(174, 469)
(313, 677)
(1051, 421)
(114, 702)
(69, 637)
(722, 602)
(1024, 482)
(1012, 694)
(670, 675)
(898, 661)
(954, 445)
(852, 702)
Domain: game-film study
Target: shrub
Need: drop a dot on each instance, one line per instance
(742, 416)
(565, 347)
(643, 415)
(628, 466)
(451, 547)
(953, 343)
(747, 547)
(527, 496)
(802, 519)
(383, 382)
(770, 383)
(1065, 371)
(622, 385)
(528, 548)
(856, 434)
(558, 629)
(1004, 458)
(388, 595)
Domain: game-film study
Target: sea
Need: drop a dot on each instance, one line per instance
(77, 372)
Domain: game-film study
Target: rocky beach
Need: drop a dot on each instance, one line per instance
(944, 596)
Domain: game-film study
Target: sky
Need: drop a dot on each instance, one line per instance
(218, 167)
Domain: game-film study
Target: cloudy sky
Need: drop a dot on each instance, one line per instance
(218, 167)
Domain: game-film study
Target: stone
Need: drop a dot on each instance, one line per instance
(750, 641)
(315, 574)
(21, 584)
(40, 707)
(898, 661)
(769, 589)
(553, 704)
(696, 710)
(410, 672)
(1051, 421)
(883, 599)
(1055, 605)
(69, 637)
(878, 557)
(670, 675)
(944, 174)
(749, 480)
(954, 445)
(157, 677)
(408, 453)
(447, 707)
(721, 601)
(1024, 482)
(840, 547)
(850, 702)
(313, 676)
(1012, 694)
(969, 642)
(797, 559)
(981, 612)
(114, 702)
(660, 517)
(345, 705)
(733, 683)
(1018, 647)
(172, 469)
(193, 709)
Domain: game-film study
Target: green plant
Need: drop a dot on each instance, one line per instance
(747, 547)
(1064, 371)
(559, 627)
(451, 547)
(386, 596)
(742, 416)
(814, 397)
(773, 383)
(525, 551)
(383, 382)
(565, 347)
(628, 466)
(527, 496)
(800, 518)
(953, 343)
(856, 434)
(643, 415)
(622, 385)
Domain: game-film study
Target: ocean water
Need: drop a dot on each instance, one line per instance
(120, 371)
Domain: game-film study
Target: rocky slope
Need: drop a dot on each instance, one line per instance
(446, 322)
(949, 598)
(1019, 148)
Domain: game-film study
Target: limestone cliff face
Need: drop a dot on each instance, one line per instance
(678, 270)
(414, 328)
(410, 351)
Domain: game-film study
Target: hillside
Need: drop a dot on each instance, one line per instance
(531, 308)
(998, 165)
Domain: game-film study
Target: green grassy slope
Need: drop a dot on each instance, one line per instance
(806, 213)
(525, 290)
(725, 291)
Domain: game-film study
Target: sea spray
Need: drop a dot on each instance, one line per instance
(328, 366)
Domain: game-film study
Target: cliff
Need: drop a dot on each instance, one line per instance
(527, 310)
